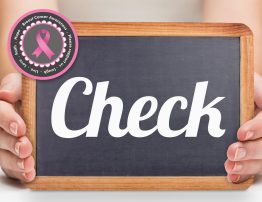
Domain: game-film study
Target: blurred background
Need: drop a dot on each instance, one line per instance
(133, 10)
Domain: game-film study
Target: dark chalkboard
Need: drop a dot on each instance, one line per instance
(138, 66)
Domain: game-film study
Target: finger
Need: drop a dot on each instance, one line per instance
(10, 89)
(12, 162)
(23, 177)
(10, 120)
(258, 90)
(252, 129)
(249, 150)
(250, 167)
(235, 178)
(21, 147)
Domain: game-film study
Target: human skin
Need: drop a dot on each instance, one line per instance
(15, 148)
(244, 156)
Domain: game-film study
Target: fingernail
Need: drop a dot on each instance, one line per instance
(249, 135)
(234, 178)
(20, 164)
(13, 128)
(237, 167)
(240, 153)
(25, 175)
(7, 86)
(17, 148)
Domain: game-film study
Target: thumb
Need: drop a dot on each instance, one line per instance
(11, 88)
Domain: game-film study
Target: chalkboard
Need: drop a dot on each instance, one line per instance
(158, 65)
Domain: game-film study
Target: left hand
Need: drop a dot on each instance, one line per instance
(15, 148)
(245, 156)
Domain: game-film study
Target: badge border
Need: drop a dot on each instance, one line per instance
(12, 57)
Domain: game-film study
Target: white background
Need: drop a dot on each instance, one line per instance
(128, 10)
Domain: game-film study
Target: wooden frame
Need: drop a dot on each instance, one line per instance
(150, 183)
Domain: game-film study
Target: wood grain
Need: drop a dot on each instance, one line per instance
(246, 79)
(136, 183)
(28, 109)
(150, 183)
(160, 29)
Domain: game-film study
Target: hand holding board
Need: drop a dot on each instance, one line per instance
(146, 106)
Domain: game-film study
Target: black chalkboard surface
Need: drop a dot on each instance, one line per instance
(138, 66)
(162, 67)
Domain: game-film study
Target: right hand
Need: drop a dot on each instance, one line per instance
(15, 148)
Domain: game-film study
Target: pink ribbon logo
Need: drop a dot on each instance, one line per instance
(42, 44)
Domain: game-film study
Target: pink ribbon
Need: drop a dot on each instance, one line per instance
(42, 44)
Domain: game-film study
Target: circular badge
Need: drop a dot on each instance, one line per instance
(42, 44)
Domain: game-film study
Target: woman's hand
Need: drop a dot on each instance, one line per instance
(15, 148)
(245, 156)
